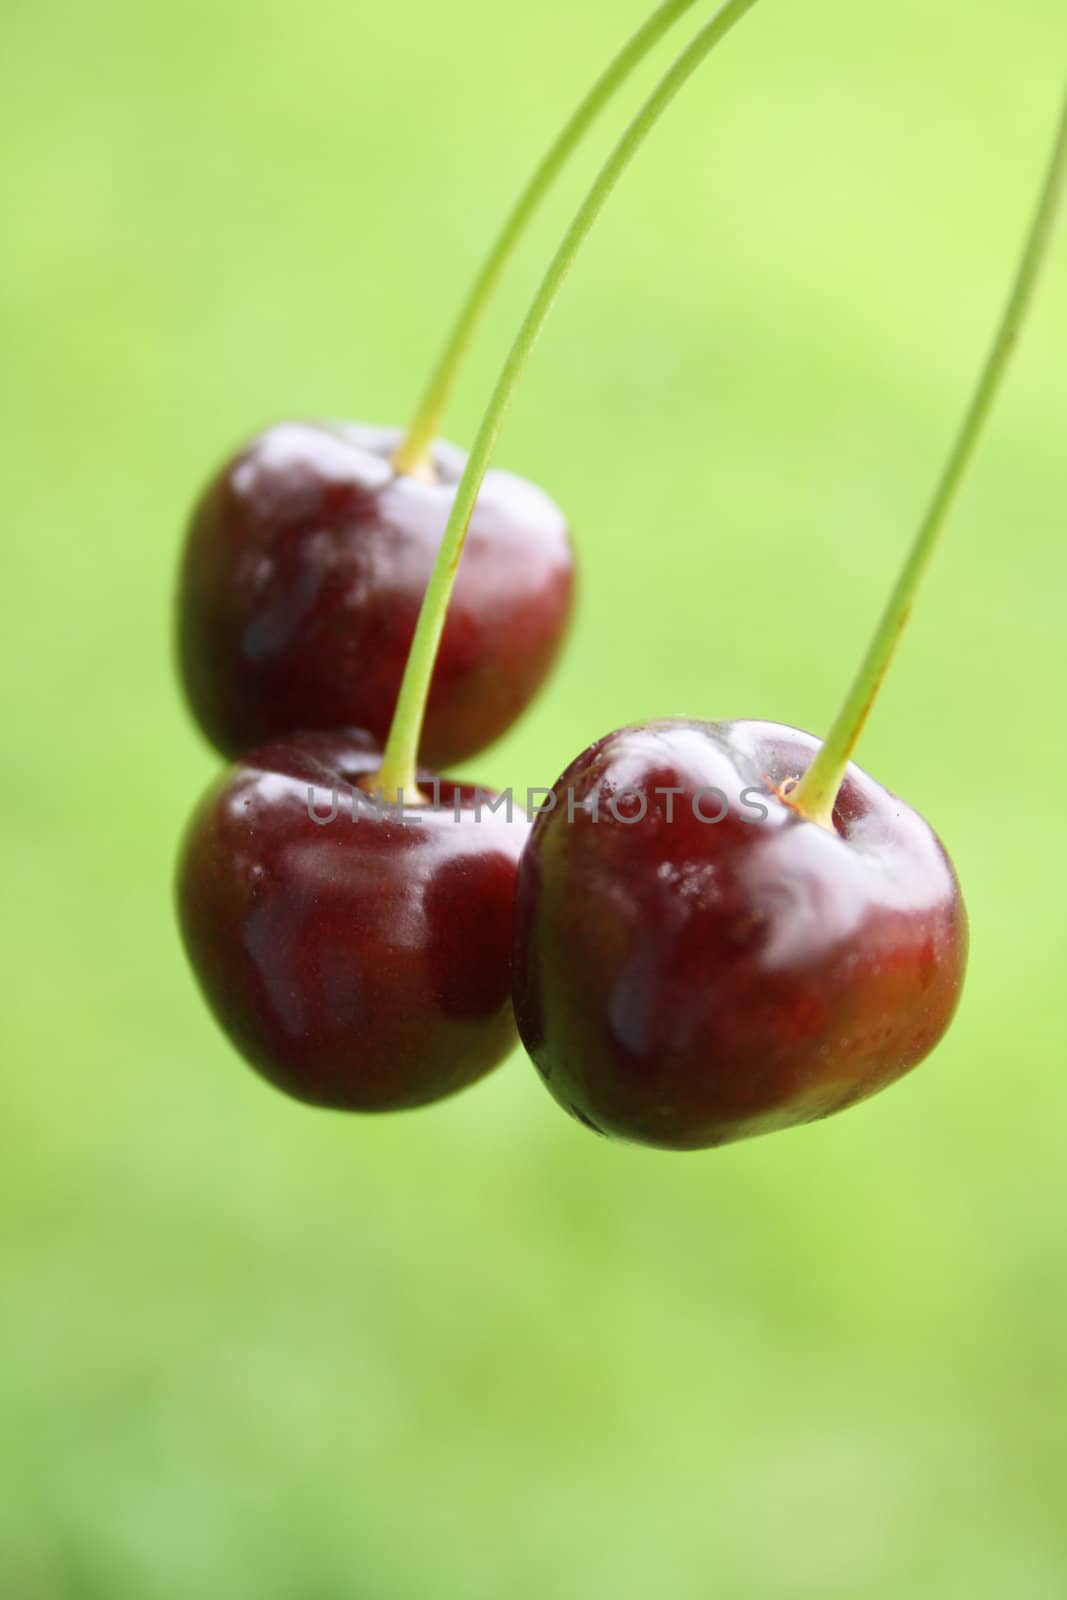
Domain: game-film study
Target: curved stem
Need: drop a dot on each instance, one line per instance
(816, 793)
(398, 765)
(412, 453)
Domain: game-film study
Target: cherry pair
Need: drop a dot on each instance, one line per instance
(360, 964)
(324, 620)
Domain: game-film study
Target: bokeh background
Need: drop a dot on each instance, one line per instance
(257, 1352)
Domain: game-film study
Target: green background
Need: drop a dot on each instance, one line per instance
(252, 1351)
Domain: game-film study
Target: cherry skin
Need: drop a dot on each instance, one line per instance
(682, 982)
(359, 964)
(305, 565)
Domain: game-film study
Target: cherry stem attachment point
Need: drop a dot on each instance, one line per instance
(412, 454)
(401, 751)
(815, 795)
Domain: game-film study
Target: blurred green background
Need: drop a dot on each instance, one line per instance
(257, 1352)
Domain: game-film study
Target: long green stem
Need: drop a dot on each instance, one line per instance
(816, 793)
(412, 454)
(398, 765)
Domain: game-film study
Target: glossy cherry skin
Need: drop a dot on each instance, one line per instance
(687, 982)
(304, 569)
(363, 965)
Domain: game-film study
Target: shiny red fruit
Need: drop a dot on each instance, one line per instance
(684, 981)
(361, 964)
(304, 569)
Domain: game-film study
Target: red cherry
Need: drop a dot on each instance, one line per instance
(684, 981)
(306, 563)
(361, 964)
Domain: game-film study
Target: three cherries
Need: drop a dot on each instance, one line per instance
(710, 930)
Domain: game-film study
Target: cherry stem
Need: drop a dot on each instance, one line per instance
(412, 455)
(816, 793)
(398, 767)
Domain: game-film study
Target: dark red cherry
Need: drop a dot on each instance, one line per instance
(304, 569)
(695, 963)
(361, 964)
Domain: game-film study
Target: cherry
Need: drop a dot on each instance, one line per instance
(306, 563)
(359, 964)
(695, 963)
(309, 552)
(307, 556)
